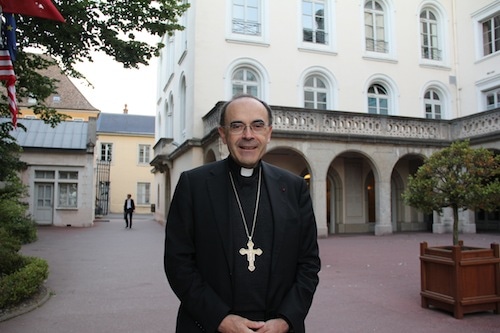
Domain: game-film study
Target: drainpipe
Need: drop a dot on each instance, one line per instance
(456, 60)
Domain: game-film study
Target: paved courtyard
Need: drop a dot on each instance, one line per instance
(110, 279)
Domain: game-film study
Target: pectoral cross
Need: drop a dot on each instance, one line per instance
(250, 252)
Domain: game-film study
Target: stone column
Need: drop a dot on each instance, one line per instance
(383, 225)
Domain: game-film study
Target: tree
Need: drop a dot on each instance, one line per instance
(459, 177)
(113, 27)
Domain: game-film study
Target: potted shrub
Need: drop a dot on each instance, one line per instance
(458, 278)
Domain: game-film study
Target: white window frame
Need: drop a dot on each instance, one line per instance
(183, 107)
(143, 193)
(144, 154)
(389, 34)
(246, 84)
(433, 103)
(108, 154)
(67, 189)
(392, 92)
(495, 93)
(485, 86)
(263, 76)
(442, 31)
(444, 94)
(316, 91)
(429, 37)
(378, 97)
(478, 18)
(330, 44)
(263, 14)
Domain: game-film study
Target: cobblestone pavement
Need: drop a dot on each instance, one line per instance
(110, 279)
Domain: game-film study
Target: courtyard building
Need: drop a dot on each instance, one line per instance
(362, 92)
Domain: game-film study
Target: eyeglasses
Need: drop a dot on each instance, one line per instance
(257, 127)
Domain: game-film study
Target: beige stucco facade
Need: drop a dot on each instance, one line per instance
(126, 172)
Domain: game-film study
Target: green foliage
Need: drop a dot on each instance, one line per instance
(111, 27)
(20, 285)
(459, 177)
(10, 260)
(14, 218)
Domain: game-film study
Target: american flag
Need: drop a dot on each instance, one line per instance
(7, 74)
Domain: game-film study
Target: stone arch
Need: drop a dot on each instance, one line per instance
(290, 159)
(352, 200)
(209, 157)
(405, 218)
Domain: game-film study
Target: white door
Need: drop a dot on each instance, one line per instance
(44, 203)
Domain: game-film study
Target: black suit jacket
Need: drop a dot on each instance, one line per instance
(199, 248)
(132, 204)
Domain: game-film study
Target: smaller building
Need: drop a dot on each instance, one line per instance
(60, 172)
(124, 150)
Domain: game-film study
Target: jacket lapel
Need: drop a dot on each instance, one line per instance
(276, 189)
(217, 184)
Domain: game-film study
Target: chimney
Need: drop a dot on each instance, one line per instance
(125, 110)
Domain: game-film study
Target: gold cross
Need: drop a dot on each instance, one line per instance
(250, 252)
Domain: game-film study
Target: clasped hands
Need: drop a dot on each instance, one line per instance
(237, 324)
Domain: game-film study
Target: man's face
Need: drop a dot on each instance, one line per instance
(247, 147)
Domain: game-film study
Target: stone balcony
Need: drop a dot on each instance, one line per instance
(298, 122)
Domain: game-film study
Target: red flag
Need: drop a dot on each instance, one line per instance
(39, 8)
(7, 74)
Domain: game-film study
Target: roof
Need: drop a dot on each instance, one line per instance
(125, 124)
(66, 135)
(68, 96)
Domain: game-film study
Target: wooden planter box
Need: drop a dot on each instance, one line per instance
(460, 279)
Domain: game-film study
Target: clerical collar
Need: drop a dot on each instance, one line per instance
(242, 171)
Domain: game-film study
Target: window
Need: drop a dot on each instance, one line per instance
(315, 93)
(143, 193)
(433, 105)
(429, 35)
(378, 99)
(491, 35)
(68, 191)
(313, 21)
(183, 106)
(144, 154)
(68, 175)
(68, 195)
(42, 174)
(106, 150)
(375, 34)
(245, 81)
(492, 99)
(246, 17)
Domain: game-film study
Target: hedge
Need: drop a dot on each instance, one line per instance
(22, 284)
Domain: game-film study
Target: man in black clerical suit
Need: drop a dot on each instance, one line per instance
(241, 250)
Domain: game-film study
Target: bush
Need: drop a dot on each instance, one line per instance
(10, 260)
(22, 284)
(16, 222)
(23, 228)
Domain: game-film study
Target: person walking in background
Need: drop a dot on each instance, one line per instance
(128, 210)
(241, 250)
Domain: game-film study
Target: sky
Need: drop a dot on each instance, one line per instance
(115, 86)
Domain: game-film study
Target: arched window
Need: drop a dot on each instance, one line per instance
(183, 111)
(378, 99)
(245, 81)
(433, 104)
(315, 93)
(375, 27)
(429, 35)
(169, 124)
